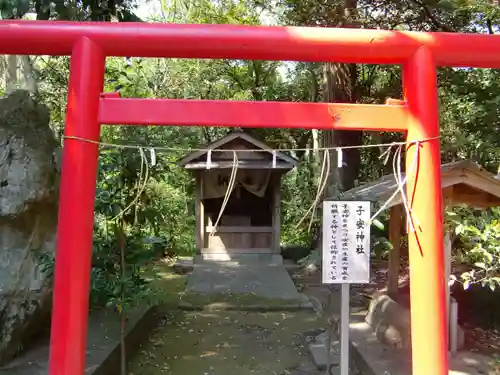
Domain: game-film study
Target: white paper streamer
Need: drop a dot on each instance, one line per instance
(152, 153)
(209, 159)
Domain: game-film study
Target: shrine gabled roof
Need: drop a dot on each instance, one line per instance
(473, 186)
(282, 160)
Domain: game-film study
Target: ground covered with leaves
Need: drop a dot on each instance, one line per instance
(228, 342)
(198, 335)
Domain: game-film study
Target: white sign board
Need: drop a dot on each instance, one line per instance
(346, 242)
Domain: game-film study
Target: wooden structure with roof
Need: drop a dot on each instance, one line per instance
(463, 183)
(250, 221)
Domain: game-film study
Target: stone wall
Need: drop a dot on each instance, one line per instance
(29, 183)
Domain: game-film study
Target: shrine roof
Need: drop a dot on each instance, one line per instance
(463, 182)
(251, 153)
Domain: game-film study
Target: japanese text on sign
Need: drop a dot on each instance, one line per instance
(346, 242)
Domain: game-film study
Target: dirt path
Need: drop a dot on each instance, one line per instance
(229, 342)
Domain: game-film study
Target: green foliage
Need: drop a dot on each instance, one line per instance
(110, 286)
(479, 237)
(149, 201)
(81, 10)
(13, 8)
(469, 101)
(299, 192)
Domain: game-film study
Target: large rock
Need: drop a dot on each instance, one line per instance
(391, 322)
(29, 183)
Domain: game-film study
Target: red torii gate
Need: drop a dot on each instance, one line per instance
(90, 43)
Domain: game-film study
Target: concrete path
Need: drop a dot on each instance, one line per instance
(265, 281)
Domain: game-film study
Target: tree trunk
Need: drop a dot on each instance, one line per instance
(339, 86)
(29, 77)
(123, 317)
(123, 349)
(314, 92)
(11, 74)
(11, 80)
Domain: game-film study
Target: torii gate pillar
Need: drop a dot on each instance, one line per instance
(425, 238)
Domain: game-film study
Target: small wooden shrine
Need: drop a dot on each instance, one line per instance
(247, 173)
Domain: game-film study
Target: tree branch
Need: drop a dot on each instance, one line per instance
(489, 25)
(431, 17)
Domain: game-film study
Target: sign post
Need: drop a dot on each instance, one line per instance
(346, 258)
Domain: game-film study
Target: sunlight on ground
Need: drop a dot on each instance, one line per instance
(169, 289)
(166, 286)
(210, 342)
(225, 343)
